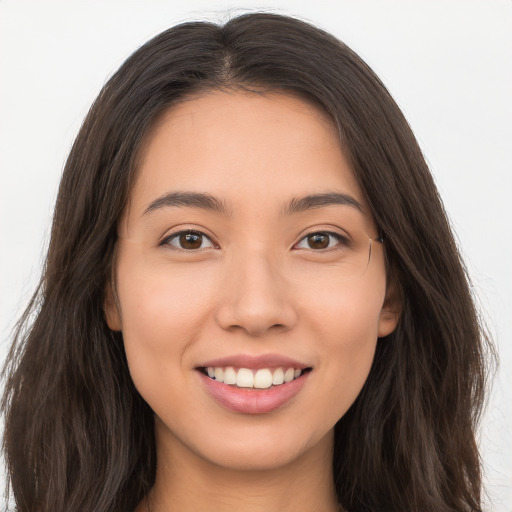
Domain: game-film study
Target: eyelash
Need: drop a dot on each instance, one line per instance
(176, 235)
(341, 240)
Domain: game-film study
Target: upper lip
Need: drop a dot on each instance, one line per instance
(255, 362)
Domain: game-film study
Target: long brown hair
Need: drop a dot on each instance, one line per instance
(78, 436)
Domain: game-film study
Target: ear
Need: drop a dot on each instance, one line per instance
(391, 311)
(111, 309)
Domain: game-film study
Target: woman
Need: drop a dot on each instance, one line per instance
(252, 296)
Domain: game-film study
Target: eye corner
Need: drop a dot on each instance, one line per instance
(176, 236)
(334, 239)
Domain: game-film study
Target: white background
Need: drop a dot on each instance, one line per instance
(447, 63)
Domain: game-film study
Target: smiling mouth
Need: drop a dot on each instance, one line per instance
(263, 378)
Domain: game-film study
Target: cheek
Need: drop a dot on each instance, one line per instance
(346, 311)
(346, 321)
(162, 313)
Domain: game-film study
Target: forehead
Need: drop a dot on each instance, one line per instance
(243, 147)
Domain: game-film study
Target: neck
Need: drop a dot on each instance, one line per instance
(187, 482)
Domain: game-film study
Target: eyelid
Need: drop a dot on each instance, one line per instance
(178, 231)
(327, 229)
(333, 231)
(341, 239)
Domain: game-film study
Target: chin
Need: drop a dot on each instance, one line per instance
(263, 452)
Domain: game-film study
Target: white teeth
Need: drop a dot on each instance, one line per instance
(263, 379)
(219, 374)
(246, 378)
(278, 377)
(229, 376)
(289, 375)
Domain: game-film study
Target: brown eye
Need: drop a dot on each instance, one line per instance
(318, 241)
(191, 240)
(188, 241)
(321, 240)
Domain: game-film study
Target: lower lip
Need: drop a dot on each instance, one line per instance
(253, 401)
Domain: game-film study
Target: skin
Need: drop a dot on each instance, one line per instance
(254, 289)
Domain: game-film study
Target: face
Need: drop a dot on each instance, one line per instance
(249, 319)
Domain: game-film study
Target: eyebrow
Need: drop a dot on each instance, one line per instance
(310, 202)
(188, 199)
(211, 203)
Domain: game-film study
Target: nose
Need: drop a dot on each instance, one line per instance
(256, 297)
